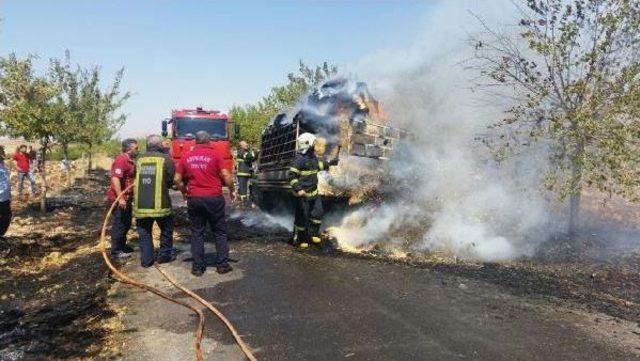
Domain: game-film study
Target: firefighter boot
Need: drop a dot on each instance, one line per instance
(315, 231)
(300, 237)
(242, 202)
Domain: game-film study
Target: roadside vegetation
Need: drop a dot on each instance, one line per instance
(66, 104)
(571, 77)
(253, 118)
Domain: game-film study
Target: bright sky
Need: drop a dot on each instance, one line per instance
(180, 54)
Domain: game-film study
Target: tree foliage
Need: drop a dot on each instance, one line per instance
(65, 105)
(573, 77)
(27, 100)
(89, 113)
(253, 118)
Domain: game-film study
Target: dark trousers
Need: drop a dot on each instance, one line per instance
(243, 186)
(120, 224)
(203, 210)
(145, 238)
(308, 218)
(5, 216)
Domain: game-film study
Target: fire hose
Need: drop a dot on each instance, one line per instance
(120, 276)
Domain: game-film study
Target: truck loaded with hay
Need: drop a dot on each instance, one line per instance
(349, 124)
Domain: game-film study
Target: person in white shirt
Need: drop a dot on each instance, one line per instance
(5, 197)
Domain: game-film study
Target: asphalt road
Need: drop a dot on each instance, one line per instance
(294, 305)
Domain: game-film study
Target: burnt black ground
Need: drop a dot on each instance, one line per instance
(295, 305)
(58, 312)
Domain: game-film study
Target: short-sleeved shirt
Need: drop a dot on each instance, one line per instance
(200, 170)
(124, 168)
(22, 161)
(5, 184)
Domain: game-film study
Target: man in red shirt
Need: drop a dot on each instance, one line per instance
(24, 170)
(123, 172)
(200, 175)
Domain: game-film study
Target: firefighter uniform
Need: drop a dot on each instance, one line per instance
(303, 175)
(152, 204)
(244, 171)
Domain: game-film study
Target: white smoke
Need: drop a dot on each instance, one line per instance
(263, 221)
(452, 197)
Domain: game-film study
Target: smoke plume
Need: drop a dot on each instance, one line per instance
(450, 195)
(262, 221)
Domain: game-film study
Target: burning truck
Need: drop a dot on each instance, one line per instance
(349, 124)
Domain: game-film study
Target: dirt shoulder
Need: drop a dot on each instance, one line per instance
(53, 283)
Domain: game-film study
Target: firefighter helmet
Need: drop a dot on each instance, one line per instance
(305, 142)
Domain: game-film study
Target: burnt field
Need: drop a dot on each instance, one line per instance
(53, 283)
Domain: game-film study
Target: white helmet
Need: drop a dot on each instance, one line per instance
(305, 141)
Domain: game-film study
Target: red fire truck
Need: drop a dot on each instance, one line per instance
(185, 123)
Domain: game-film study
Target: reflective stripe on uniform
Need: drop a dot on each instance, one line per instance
(312, 194)
(316, 221)
(300, 228)
(294, 181)
(150, 173)
(320, 165)
(308, 172)
(294, 170)
(239, 174)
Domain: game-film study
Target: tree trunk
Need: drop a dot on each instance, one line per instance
(67, 170)
(576, 194)
(574, 214)
(90, 163)
(89, 159)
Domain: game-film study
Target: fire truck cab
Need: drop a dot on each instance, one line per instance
(185, 123)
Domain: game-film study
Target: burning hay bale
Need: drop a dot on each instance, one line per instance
(349, 125)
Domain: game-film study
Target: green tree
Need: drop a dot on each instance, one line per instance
(67, 101)
(573, 76)
(90, 113)
(253, 118)
(101, 108)
(67, 105)
(28, 107)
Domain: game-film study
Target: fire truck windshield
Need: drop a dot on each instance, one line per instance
(217, 128)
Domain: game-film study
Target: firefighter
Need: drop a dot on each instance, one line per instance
(123, 172)
(200, 174)
(244, 170)
(303, 176)
(165, 146)
(152, 203)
